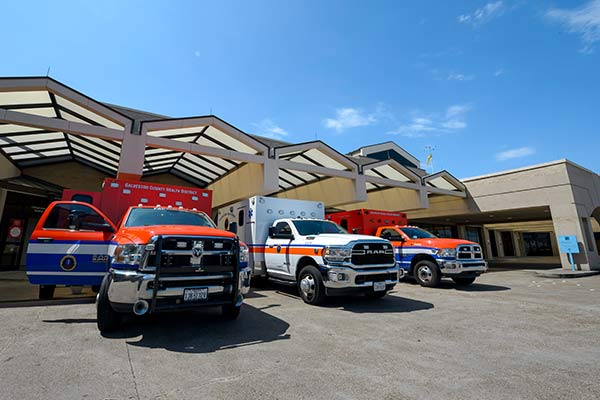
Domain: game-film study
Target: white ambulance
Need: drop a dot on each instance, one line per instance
(291, 242)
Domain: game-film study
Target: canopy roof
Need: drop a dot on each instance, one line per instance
(43, 97)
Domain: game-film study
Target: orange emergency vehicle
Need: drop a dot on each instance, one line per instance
(164, 253)
(419, 253)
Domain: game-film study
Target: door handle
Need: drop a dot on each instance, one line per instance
(45, 239)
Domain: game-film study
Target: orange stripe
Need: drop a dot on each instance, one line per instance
(311, 251)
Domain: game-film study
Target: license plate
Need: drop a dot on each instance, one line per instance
(378, 286)
(195, 294)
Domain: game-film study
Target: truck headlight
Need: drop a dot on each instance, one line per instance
(447, 253)
(128, 254)
(244, 253)
(336, 254)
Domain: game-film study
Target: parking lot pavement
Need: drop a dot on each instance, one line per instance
(512, 335)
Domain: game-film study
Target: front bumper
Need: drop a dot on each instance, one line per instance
(458, 267)
(356, 280)
(127, 287)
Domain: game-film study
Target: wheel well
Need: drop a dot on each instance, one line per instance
(303, 262)
(420, 257)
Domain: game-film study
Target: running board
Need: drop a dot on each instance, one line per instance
(282, 281)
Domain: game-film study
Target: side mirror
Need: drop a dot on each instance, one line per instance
(355, 230)
(272, 232)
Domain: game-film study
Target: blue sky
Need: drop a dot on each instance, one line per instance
(490, 85)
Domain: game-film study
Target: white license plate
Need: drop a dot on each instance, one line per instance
(378, 286)
(195, 294)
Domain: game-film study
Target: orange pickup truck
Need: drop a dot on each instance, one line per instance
(158, 258)
(428, 258)
(419, 253)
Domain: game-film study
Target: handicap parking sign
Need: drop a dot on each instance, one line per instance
(568, 244)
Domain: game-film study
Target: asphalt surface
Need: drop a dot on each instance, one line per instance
(512, 335)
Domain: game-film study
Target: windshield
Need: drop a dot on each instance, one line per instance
(156, 216)
(317, 227)
(418, 233)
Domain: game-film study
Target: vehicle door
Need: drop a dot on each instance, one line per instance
(70, 245)
(398, 240)
(277, 251)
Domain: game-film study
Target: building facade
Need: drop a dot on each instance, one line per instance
(53, 137)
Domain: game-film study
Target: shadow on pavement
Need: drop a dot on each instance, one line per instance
(201, 332)
(359, 304)
(473, 287)
(387, 304)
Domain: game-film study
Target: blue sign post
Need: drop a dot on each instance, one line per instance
(568, 244)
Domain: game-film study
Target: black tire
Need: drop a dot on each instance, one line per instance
(461, 281)
(310, 285)
(427, 273)
(107, 318)
(46, 292)
(231, 311)
(377, 295)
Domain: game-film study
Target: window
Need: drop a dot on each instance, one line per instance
(155, 216)
(317, 227)
(417, 233)
(537, 244)
(72, 216)
(391, 234)
(241, 218)
(283, 228)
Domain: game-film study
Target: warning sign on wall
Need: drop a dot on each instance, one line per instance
(15, 229)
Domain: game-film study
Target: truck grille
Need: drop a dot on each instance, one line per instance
(469, 252)
(216, 256)
(391, 276)
(372, 254)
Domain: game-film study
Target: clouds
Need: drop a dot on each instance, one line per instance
(583, 20)
(423, 125)
(268, 128)
(455, 76)
(349, 117)
(514, 153)
(483, 14)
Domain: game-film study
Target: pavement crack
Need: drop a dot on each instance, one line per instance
(137, 393)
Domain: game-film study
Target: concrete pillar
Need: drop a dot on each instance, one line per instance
(499, 244)
(566, 218)
(462, 231)
(360, 188)
(554, 244)
(487, 244)
(424, 197)
(131, 163)
(518, 243)
(3, 193)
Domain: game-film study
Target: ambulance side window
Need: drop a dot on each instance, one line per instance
(241, 218)
(72, 216)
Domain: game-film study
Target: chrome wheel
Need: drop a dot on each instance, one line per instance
(307, 286)
(425, 274)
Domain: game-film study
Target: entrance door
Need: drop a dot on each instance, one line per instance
(508, 244)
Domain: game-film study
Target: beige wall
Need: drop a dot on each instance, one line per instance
(7, 169)
(570, 191)
(332, 192)
(244, 182)
(70, 175)
(393, 199)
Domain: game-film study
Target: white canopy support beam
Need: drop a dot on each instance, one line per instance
(59, 125)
